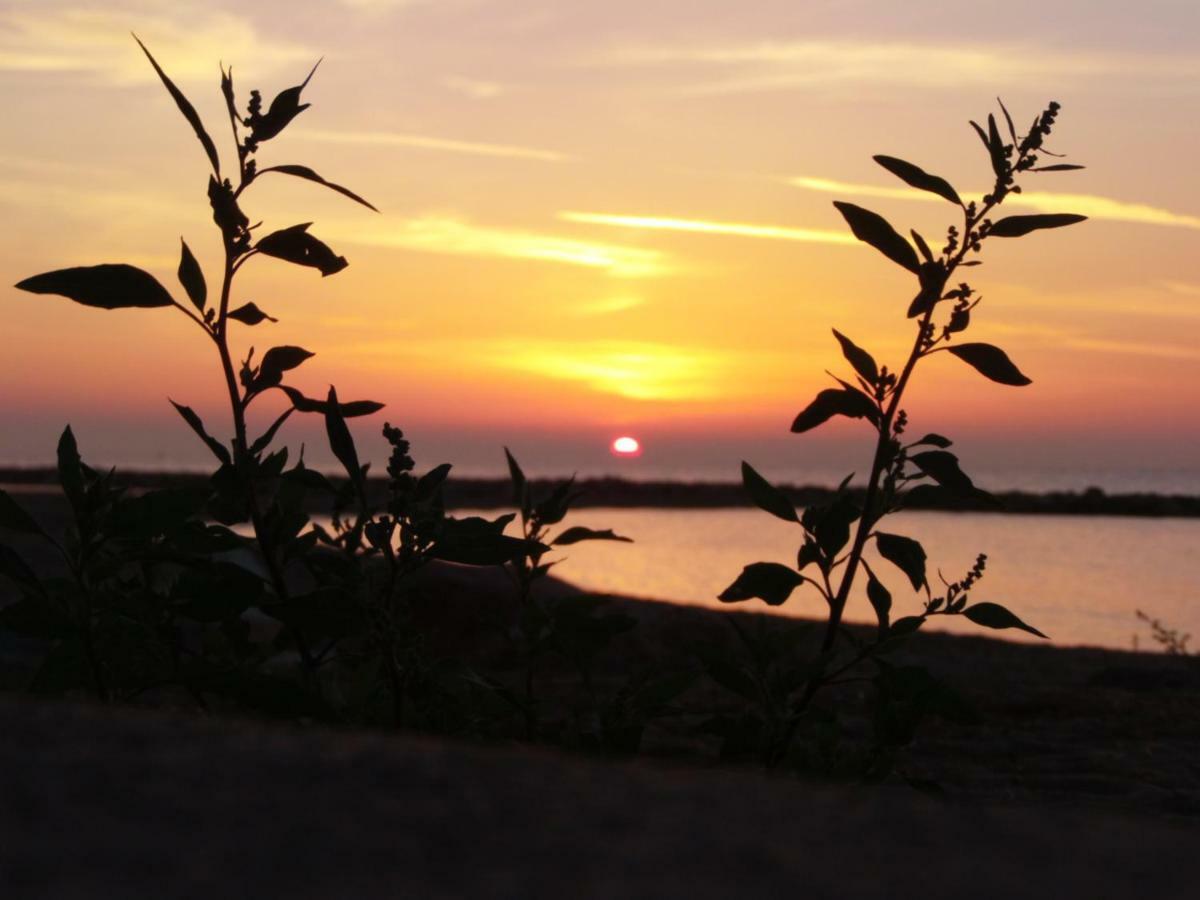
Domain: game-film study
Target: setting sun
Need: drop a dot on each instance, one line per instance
(626, 446)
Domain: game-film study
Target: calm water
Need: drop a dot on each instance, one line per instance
(1078, 579)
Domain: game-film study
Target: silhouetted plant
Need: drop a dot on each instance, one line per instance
(837, 534)
(1172, 641)
(572, 629)
(323, 586)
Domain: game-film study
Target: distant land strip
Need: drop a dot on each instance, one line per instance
(495, 493)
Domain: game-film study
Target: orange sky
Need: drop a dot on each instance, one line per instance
(600, 218)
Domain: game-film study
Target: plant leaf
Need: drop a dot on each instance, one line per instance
(554, 508)
(264, 440)
(982, 136)
(431, 482)
(296, 245)
(193, 420)
(862, 361)
(905, 626)
(308, 174)
(770, 582)
(14, 518)
(351, 409)
(107, 286)
(70, 470)
(922, 246)
(904, 553)
(340, 440)
(519, 482)
(943, 468)
(475, 541)
(192, 277)
(189, 111)
(285, 107)
(881, 600)
(835, 402)
(990, 362)
(996, 146)
(578, 533)
(250, 314)
(933, 281)
(993, 615)
(1058, 167)
(874, 229)
(919, 178)
(935, 440)
(1012, 129)
(830, 524)
(766, 496)
(1018, 226)
(278, 360)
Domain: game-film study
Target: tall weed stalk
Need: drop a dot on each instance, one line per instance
(838, 535)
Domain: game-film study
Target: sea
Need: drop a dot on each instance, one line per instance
(1080, 580)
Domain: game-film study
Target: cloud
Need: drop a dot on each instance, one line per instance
(96, 44)
(380, 6)
(435, 234)
(1072, 339)
(1187, 288)
(474, 88)
(1090, 205)
(607, 306)
(1158, 350)
(86, 201)
(699, 226)
(638, 370)
(780, 65)
(427, 142)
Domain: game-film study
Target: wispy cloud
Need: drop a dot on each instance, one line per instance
(96, 44)
(1187, 288)
(1072, 339)
(475, 88)
(829, 186)
(700, 226)
(86, 202)
(778, 65)
(638, 370)
(1134, 348)
(1091, 205)
(379, 6)
(428, 142)
(439, 234)
(607, 306)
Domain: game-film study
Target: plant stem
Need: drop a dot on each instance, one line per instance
(867, 521)
(242, 461)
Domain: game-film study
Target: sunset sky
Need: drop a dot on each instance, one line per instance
(614, 218)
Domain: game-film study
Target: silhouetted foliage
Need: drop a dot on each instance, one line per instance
(838, 532)
(309, 620)
(151, 581)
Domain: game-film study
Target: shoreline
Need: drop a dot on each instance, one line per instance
(496, 493)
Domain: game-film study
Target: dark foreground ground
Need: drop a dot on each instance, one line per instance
(1082, 778)
(97, 803)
